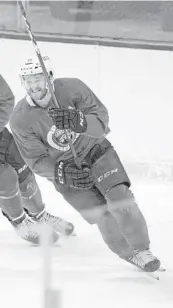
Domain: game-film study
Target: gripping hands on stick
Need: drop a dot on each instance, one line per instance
(68, 119)
(68, 174)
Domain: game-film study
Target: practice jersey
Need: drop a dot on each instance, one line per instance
(6, 103)
(41, 144)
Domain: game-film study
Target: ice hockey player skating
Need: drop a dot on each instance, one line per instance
(99, 188)
(20, 197)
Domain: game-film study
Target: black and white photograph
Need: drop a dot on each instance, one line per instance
(86, 154)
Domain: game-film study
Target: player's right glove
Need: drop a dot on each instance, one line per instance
(68, 174)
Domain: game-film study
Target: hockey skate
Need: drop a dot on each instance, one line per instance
(25, 228)
(145, 261)
(58, 224)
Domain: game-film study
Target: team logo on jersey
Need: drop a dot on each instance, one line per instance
(57, 138)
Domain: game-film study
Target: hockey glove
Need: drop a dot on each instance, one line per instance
(68, 119)
(68, 174)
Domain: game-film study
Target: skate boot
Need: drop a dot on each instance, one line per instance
(25, 228)
(58, 224)
(144, 260)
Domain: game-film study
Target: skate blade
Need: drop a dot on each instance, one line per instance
(67, 236)
(161, 269)
(153, 275)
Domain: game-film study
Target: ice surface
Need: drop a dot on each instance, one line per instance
(86, 272)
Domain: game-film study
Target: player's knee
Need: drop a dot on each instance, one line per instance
(8, 181)
(120, 197)
(94, 215)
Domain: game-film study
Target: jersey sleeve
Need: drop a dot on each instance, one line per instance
(6, 103)
(35, 153)
(82, 97)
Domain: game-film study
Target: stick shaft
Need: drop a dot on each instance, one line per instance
(37, 50)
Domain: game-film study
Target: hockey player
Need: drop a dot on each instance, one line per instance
(95, 184)
(20, 197)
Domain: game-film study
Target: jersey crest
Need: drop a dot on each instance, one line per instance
(57, 138)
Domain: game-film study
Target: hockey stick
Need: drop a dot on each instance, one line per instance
(37, 50)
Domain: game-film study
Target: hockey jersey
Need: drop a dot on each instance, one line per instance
(6, 103)
(41, 144)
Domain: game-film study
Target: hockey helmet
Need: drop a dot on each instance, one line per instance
(32, 67)
(41, 95)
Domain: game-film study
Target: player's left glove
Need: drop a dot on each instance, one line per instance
(68, 119)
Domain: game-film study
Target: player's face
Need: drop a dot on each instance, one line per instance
(35, 86)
